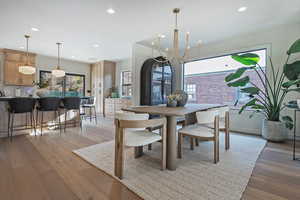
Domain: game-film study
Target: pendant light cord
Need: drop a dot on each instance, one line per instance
(176, 25)
(176, 11)
(27, 54)
(58, 55)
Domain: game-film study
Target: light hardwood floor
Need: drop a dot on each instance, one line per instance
(44, 167)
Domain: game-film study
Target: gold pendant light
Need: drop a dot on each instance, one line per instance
(58, 72)
(27, 68)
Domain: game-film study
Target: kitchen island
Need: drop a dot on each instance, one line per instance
(20, 119)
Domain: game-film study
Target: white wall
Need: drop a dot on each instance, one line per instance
(277, 40)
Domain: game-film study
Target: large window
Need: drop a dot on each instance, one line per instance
(204, 80)
(69, 85)
(126, 83)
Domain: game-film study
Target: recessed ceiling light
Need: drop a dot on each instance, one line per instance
(242, 9)
(161, 36)
(72, 56)
(110, 11)
(95, 45)
(34, 29)
(22, 47)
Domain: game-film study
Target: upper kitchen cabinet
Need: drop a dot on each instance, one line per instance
(12, 60)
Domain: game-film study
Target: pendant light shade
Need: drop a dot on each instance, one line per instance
(27, 69)
(57, 72)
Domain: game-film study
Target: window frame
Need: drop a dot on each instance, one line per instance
(125, 85)
(195, 91)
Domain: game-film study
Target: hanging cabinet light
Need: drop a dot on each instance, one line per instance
(58, 72)
(27, 68)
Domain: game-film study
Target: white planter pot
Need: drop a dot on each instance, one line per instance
(274, 131)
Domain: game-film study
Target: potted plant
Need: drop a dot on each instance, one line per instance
(114, 92)
(268, 100)
(172, 100)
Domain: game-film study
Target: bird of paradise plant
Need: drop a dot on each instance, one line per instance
(268, 100)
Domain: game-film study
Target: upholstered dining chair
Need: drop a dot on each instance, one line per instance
(224, 123)
(131, 131)
(201, 131)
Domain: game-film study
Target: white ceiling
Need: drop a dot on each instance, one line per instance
(82, 23)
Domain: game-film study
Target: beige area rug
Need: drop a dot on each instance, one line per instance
(196, 177)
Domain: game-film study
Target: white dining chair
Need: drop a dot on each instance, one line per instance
(200, 131)
(131, 131)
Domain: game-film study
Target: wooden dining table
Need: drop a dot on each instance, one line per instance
(172, 113)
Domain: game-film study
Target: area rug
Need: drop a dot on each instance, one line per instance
(196, 177)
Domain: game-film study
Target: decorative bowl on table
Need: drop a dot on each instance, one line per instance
(172, 103)
(182, 98)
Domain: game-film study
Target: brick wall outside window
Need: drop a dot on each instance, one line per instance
(212, 89)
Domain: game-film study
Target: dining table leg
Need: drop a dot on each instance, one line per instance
(171, 143)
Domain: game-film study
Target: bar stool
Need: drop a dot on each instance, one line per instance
(48, 104)
(19, 106)
(91, 104)
(72, 103)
